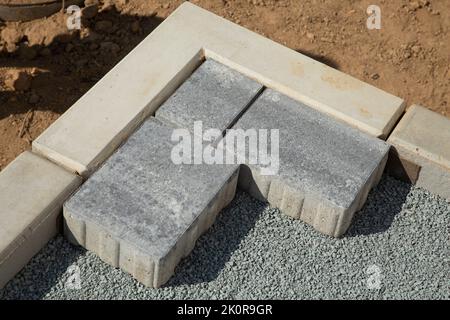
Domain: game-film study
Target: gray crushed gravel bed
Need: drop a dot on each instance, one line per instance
(255, 252)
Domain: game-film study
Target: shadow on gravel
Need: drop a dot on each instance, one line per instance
(53, 261)
(214, 249)
(383, 204)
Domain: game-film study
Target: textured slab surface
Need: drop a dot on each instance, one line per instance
(422, 142)
(213, 94)
(142, 212)
(136, 86)
(326, 168)
(32, 191)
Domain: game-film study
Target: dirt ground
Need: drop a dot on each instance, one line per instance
(45, 68)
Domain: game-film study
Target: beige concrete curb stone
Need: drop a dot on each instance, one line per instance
(137, 86)
(422, 150)
(32, 191)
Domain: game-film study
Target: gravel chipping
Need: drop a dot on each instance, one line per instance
(397, 248)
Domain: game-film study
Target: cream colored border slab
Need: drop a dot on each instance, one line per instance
(422, 137)
(424, 133)
(96, 124)
(32, 192)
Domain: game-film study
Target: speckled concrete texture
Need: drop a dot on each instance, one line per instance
(214, 94)
(142, 212)
(326, 166)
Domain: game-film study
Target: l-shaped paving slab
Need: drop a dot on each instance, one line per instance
(143, 212)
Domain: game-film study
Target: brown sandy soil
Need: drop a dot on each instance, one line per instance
(44, 68)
